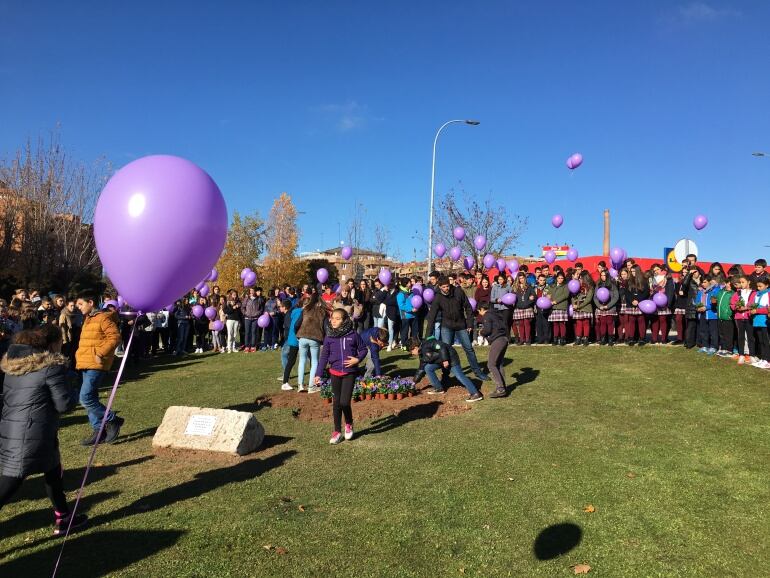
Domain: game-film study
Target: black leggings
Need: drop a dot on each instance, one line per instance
(53, 488)
(291, 358)
(745, 336)
(342, 388)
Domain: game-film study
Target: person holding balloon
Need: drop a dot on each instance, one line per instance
(582, 306)
(559, 316)
(662, 293)
(524, 309)
(605, 313)
(407, 310)
(183, 317)
(542, 325)
(637, 290)
(233, 318)
(253, 307)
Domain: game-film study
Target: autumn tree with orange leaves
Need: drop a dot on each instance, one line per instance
(282, 265)
(245, 243)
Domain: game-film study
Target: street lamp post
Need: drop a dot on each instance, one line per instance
(433, 186)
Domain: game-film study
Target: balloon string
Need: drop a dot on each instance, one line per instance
(93, 450)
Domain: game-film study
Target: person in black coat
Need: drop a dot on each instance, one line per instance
(494, 329)
(36, 392)
(434, 355)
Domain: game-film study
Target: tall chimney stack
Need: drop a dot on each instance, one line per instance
(606, 246)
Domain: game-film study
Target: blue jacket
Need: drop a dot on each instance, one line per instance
(374, 349)
(336, 350)
(405, 305)
(705, 297)
(760, 318)
(291, 336)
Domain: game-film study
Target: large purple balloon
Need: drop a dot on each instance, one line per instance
(347, 253)
(204, 291)
(573, 286)
(197, 311)
(509, 299)
(455, 253)
(489, 261)
(459, 233)
(603, 294)
(700, 221)
(214, 275)
(557, 221)
(660, 299)
(250, 279)
(416, 301)
(501, 264)
(647, 306)
(218, 325)
(428, 295)
(322, 275)
(480, 242)
(210, 312)
(440, 250)
(149, 257)
(245, 272)
(543, 302)
(513, 265)
(263, 320)
(617, 255)
(385, 276)
(572, 255)
(550, 257)
(469, 263)
(473, 303)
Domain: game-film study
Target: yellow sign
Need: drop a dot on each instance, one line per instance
(672, 263)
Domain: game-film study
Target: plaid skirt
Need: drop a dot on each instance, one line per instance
(606, 312)
(629, 310)
(558, 315)
(582, 315)
(678, 311)
(664, 311)
(519, 314)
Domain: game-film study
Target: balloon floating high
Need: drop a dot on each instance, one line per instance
(572, 255)
(480, 242)
(469, 263)
(550, 257)
(455, 253)
(574, 161)
(250, 279)
(700, 222)
(245, 272)
(152, 259)
(617, 255)
(501, 265)
(439, 250)
(489, 261)
(322, 275)
(458, 233)
(347, 253)
(513, 265)
(557, 221)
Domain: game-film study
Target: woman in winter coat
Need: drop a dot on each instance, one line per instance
(35, 393)
(310, 334)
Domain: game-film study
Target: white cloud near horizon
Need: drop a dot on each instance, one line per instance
(349, 116)
(696, 12)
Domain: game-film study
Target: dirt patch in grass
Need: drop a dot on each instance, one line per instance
(310, 407)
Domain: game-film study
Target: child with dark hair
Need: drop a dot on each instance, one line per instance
(740, 303)
(606, 312)
(375, 339)
(583, 309)
(290, 317)
(434, 354)
(559, 304)
(343, 349)
(495, 331)
(708, 324)
(760, 307)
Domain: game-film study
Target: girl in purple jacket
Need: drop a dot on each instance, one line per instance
(343, 350)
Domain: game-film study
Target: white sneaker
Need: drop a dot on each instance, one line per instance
(336, 438)
(348, 432)
(313, 389)
(300, 389)
(287, 387)
(389, 348)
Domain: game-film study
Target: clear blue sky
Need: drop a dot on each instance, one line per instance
(339, 101)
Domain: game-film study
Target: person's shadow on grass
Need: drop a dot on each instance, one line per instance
(524, 376)
(557, 540)
(202, 483)
(94, 554)
(387, 423)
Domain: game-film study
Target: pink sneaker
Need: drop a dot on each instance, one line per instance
(348, 431)
(741, 360)
(336, 438)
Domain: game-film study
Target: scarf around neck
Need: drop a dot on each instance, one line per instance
(344, 329)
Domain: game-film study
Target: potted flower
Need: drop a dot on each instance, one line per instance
(326, 392)
(393, 389)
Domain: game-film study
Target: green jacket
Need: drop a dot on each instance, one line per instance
(724, 311)
(584, 301)
(560, 297)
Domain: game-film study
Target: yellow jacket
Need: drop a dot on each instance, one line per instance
(100, 336)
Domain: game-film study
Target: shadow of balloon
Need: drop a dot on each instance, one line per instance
(557, 540)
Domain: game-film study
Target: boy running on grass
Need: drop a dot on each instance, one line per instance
(435, 354)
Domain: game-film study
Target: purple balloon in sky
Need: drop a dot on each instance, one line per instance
(573, 286)
(617, 255)
(700, 221)
(250, 279)
(480, 242)
(150, 258)
(245, 272)
(501, 264)
(574, 161)
(489, 261)
(572, 255)
(603, 294)
(469, 263)
(455, 253)
(440, 250)
(513, 265)
(550, 257)
(322, 275)
(428, 295)
(557, 221)
(347, 253)
(459, 233)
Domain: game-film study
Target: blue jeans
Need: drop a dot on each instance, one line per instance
(437, 330)
(431, 368)
(285, 355)
(89, 397)
(391, 333)
(271, 333)
(250, 339)
(182, 334)
(314, 348)
(448, 336)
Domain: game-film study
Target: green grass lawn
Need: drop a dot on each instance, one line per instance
(670, 447)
